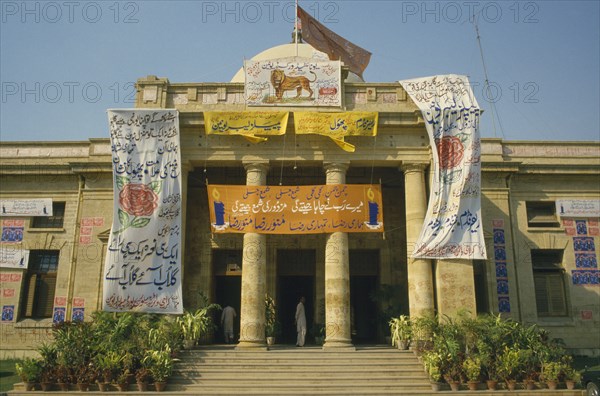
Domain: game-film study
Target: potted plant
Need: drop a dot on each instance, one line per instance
(472, 370)
(453, 371)
(47, 378)
(86, 375)
(123, 380)
(49, 365)
(508, 364)
(423, 328)
(530, 368)
(196, 324)
(551, 372)
(433, 366)
(109, 364)
(318, 329)
(63, 377)
(488, 360)
(572, 377)
(30, 371)
(160, 365)
(271, 324)
(400, 330)
(142, 377)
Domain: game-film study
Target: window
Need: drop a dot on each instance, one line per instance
(541, 214)
(548, 276)
(40, 284)
(54, 221)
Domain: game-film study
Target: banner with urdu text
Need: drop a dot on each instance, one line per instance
(142, 271)
(250, 124)
(337, 125)
(452, 226)
(295, 209)
(293, 82)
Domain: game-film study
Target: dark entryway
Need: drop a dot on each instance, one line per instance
(364, 278)
(228, 286)
(295, 278)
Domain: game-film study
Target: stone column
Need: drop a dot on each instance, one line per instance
(455, 287)
(337, 277)
(420, 281)
(254, 274)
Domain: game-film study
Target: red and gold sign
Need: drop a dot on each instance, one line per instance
(295, 209)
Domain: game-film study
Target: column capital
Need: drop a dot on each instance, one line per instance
(336, 166)
(408, 167)
(186, 166)
(256, 165)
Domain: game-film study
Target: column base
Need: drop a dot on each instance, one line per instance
(251, 345)
(338, 345)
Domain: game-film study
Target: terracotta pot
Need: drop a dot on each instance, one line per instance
(403, 345)
(529, 384)
(29, 386)
(142, 386)
(189, 344)
(473, 385)
(491, 384)
(160, 386)
(511, 384)
(83, 387)
(552, 384)
(46, 386)
(124, 387)
(435, 386)
(270, 341)
(64, 387)
(454, 385)
(570, 384)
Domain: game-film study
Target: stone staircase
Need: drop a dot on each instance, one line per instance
(286, 370)
(219, 370)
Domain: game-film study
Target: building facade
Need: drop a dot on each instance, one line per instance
(541, 266)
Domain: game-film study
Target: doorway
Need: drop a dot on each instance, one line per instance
(364, 278)
(295, 278)
(227, 287)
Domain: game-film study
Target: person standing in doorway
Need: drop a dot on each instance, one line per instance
(300, 322)
(227, 318)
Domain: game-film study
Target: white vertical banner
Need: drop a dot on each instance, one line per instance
(452, 228)
(142, 271)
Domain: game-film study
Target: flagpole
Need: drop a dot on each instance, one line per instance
(296, 28)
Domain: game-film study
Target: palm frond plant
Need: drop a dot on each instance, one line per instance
(401, 331)
(109, 364)
(423, 329)
(272, 326)
(29, 370)
(159, 364)
(198, 323)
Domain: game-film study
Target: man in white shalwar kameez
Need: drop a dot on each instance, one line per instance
(300, 322)
(227, 318)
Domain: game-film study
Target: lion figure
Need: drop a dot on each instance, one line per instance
(282, 83)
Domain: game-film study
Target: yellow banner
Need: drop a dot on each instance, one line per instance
(295, 209)
(246, 123)
(337, 125)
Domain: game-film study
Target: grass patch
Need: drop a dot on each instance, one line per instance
(8, 377)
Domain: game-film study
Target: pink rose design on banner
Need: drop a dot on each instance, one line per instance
(450, 152)
(136, 202)
(138, 199)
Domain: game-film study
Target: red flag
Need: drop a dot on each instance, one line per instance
(334, 45)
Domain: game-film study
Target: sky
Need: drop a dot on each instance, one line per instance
(64, 62)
